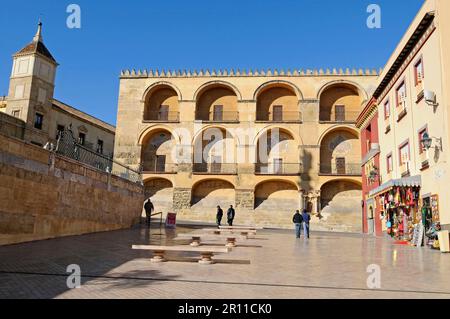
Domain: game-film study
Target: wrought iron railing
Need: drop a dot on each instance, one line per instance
(218, 117)
(215, 168)
(68, 146)
(162, 117)
(278, 169)
(279, 117)
(159, 168)
(348, 169)
(332, 117)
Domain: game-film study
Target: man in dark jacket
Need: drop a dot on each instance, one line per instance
(149, 208)
(297, 220)
(219, 216)
(306, 218)
(230, 215)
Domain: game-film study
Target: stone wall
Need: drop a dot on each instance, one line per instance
(45, 196)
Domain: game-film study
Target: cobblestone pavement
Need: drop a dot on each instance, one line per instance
(274, 265)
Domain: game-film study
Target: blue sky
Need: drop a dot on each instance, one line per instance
(196, 34)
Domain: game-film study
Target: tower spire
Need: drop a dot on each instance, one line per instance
(38, 36)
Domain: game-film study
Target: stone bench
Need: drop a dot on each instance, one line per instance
(241, 228)
(206, 253)
(198, 238)
(230, 231)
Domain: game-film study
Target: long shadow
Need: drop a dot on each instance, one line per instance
(38, 269)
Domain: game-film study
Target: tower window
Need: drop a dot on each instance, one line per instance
(38, 121)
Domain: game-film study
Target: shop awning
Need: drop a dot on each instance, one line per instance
(412, 181)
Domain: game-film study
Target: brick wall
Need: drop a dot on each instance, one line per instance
(44, 196)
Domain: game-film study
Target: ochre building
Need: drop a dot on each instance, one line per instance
(267, 142)
(31, 107)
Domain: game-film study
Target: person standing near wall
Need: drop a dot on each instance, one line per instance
(306, 219)
(149, 208)
(297, 220)
(230, 215)
(219, 216)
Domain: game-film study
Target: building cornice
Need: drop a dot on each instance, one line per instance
(369, 112)
(414, 44)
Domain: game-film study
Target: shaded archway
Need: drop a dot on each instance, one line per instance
(277, 102)
(217, 102)
(210, 193)
(277, 195)
(340, 152)
(340, 102)
(341, 203)
(161, 104)
(160, 192)
(214, 151)
(277, 153)
(158, 152)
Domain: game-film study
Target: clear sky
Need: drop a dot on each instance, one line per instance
(196, 34)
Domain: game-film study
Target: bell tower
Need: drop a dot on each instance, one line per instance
(31, 88)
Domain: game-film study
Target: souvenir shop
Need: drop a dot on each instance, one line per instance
(399, 211)
(406, 215)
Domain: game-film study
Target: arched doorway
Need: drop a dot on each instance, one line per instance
(217, 103)
(340, 103)
(208, 194)
(161, 104)
(277, 103)
(160, 192)
(340, 153)
(158, 152)
(277, 153)
(341, 204)
(215, 152)
(276, 196)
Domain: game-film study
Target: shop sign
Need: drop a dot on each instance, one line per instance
(435, 208)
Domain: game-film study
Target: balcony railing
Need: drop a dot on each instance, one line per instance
(348, 169)
(278, 169)
(162, 117)
(220, 117)
(331, 117)
(215, 168)
(402, 109)
(283, 117)
(159, 168)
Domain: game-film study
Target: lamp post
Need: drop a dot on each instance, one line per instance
(427, 141)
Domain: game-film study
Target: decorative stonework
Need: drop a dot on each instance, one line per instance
(182, 198)
(241, 73)
(245, 199)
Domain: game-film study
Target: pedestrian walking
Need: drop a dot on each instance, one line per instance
(230, 215)
(219, 216)
(297, 220)
(149, 208)
(306, 219)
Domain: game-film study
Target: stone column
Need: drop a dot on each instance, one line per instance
(302, 205)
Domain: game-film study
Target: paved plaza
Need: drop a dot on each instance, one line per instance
(274, 265)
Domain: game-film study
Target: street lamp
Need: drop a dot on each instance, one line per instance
(373, 174)
(427, 141)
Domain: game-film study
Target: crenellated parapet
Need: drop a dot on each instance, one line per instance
(157, 73)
